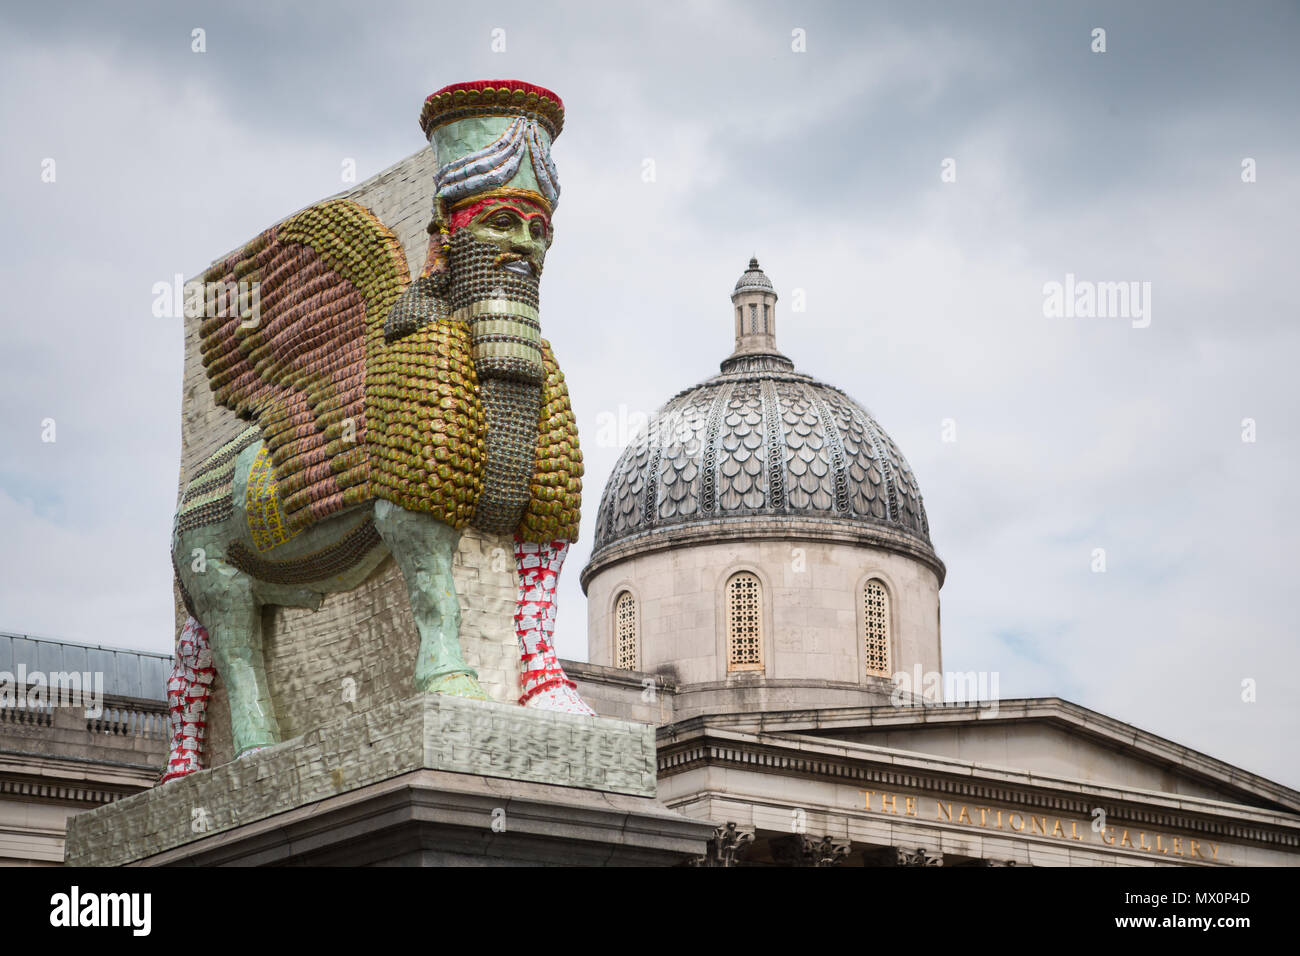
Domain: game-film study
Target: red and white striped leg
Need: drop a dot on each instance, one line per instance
(187, 700)
(544, 684)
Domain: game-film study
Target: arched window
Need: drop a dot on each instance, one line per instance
(875, 627)
(744, 622)
(625, 632)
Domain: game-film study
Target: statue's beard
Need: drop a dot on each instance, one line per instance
(499, 304)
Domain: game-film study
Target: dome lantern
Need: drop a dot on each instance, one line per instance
(754, 302)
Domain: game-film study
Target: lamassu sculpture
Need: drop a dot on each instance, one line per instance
(388, 415)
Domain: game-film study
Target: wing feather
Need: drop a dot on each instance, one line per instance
(325, 280)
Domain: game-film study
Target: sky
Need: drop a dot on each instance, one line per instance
(919, 172)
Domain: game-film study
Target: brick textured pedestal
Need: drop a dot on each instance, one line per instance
(425, 781)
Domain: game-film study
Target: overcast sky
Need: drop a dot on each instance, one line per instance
(924, 297)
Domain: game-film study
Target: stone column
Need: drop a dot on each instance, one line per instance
(803, 850)
(918, 857)
(727, 847)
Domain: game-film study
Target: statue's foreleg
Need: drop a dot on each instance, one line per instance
(544, 685)
(424, 548)
(187, 700)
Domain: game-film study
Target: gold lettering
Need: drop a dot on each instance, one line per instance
(1165, 844)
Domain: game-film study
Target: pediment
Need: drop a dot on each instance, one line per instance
(1041, 736)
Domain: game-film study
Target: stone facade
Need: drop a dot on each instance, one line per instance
(778, 775)
(812, 607)
(58, 762)
(76, 748)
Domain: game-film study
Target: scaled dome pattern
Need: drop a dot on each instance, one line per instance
(762, 440)
(753, 278)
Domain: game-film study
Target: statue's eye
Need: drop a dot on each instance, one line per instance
(538, 229)
(503, 222)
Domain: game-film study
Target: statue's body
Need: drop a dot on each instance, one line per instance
(389, 415)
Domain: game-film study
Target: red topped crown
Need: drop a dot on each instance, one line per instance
(492, 98)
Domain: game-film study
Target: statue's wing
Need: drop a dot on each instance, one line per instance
(291, 356)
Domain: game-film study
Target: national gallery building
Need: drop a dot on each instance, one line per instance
(762, 574)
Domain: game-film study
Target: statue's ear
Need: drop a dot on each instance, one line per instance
(416, 307)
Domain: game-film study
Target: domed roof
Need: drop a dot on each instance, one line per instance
(762, 442)
(753, 278)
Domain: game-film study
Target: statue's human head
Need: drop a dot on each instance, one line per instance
(519, 227)
(495, 179)
(496, 250)
(496, 191)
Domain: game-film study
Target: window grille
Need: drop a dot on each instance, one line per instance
(744, 623)
(625, 644)
(875, 606)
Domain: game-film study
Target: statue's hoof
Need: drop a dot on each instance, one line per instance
(458, 685)
(561, 698)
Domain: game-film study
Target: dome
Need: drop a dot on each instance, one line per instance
(753, 278)
(761, 444)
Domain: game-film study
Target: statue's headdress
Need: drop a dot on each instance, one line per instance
(492, 137)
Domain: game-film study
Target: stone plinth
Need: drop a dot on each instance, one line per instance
(424, 781)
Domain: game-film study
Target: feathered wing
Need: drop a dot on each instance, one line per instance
(318, 288)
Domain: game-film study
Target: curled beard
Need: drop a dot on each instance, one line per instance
(500, 308)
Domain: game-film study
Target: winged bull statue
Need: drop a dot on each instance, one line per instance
(386, 416)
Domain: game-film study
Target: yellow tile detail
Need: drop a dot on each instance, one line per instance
(266, 521)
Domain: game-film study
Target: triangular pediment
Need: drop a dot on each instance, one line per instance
(1048, 736)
